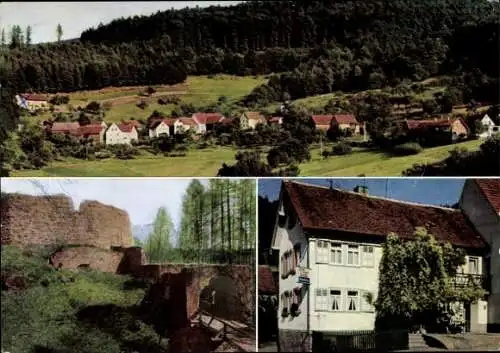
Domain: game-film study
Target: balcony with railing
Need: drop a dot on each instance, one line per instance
(465, 279)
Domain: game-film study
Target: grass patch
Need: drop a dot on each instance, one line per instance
(49, 316)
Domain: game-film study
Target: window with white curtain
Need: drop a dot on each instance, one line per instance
(322, 248)
(353, 255)
(353, 300)
(473, 267)
(336, 300)
(336, 253)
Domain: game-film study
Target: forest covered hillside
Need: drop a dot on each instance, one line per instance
(323, 45)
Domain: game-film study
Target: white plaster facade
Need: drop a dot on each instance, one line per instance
(115, 136)
(489, 127)
(487, 222)
(342, 273)
(161, 129)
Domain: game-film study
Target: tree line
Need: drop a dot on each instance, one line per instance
(217, 224)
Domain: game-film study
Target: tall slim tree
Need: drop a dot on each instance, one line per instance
(59, 32)
(159, 241)
(28, 35)
(2, 38)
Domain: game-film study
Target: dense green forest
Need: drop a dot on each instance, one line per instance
(320, 46)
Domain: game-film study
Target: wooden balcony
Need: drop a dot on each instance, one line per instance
(464, 279)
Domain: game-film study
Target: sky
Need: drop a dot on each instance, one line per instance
(141, 197)
(75, 17)
(426, 191)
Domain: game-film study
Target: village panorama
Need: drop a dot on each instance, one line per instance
(258, 89)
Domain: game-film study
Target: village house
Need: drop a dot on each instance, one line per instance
(162, 127)
(275, 120)
(488, 127)
(330, 246)
(32, 102)
(184, 124)
(63, 127)
(249, 120)
(206, 121)
(437, 131)
(342, 121)
(91, 131)
(118, 134)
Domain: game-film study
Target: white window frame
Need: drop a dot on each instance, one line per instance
(350, 298)
(321, 304)
(335, 250)
(472, 259)
(353, 249)
(322, 252)
(332, 297)
(368, 258)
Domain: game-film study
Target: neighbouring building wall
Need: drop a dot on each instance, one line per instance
(487, 222)
(459, 128)
(46, 220)
(114, 136)
(293, 332)
(90, 257)
(354, 127)
(342, 280)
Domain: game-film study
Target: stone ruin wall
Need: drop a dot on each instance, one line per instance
(44, 220)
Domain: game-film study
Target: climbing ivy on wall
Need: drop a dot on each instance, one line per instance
(416, 283)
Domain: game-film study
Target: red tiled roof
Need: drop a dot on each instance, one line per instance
(491, 190)
(34, 97)
(207, 118)
(345, 119)
(124, 127)
(322, 119)
(134, 123)
(275, 119)
(64, 127)
(419, 124)
(266, 281)
(254, 116)
(187, 121)
(93, 129)
(324, 209)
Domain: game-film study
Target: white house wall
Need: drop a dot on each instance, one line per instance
(343, 278)
(487, 223)
(288, 239)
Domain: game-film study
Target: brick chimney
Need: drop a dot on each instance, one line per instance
(361, 189)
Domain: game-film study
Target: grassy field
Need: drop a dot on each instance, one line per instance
(196, 90)
(375, 163)
(206, 163)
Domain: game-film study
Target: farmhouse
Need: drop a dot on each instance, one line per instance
(162, 127)
(184, 124)
(32, 102)
(275, 120)
(207, 121)
(488, 127)
(122, 133)
(342, 121)
(63, 128)
(330, 246)
(91, 131)
(437, 131)
(248, 120)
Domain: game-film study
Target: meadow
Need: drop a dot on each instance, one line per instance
(206, 163)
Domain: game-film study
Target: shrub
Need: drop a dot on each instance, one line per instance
(58, 100)
(407, 149)
(142, 104)
(123, 151)
(341, 149)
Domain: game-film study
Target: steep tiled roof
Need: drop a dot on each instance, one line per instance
(93, 129)
(254, 116)
(187, 121)
(345, 119)
(124, 127)
(64, 127)
(266, 281)
(324, 209)
(322, 119)
(491, 190)
(34, 97)
(207, 118)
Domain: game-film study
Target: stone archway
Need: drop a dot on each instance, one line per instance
(221, 298)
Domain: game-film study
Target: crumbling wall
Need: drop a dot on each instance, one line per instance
(88, 257)
(45, 220)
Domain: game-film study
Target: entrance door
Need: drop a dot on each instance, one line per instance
(467, 316)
